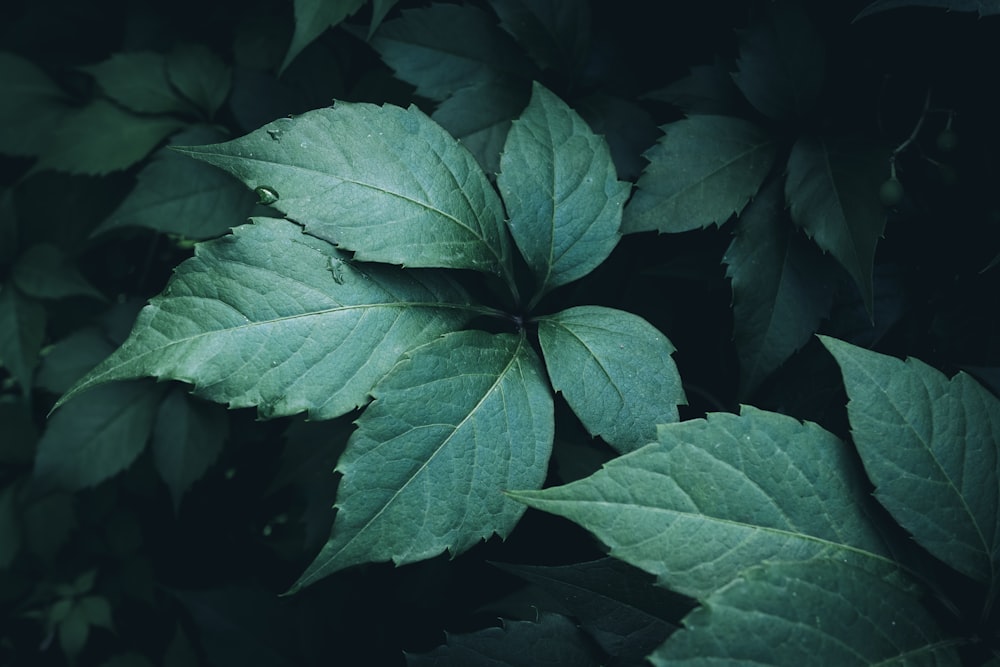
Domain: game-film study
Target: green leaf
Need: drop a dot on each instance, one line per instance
(173, 193)
(480, 116)
(929, 445)
(138, 81)
(32, 104)
(551, 640)
(455, 423)
(44, 272)
(10, 528)
(981, 7)
(188, 437)
(708, 89)
(96, 436)
(74, 630)
(832, 192)
(312, 18)
(735, 490)
(781, 63)
(22, 329)
(781, 288)
(101, 138)
(387, 183)
(17, 447)
(561, 191)
(702, 171)
(443, 48)
(797, 613)
(274, 318)
(380, 8)
(70, 358)
(200, 76)
(615, 370)
(97, 609)
(555, 33)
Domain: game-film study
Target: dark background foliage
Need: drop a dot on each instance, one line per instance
(200, 583)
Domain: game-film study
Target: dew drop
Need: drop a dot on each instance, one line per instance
(266, 195)
(274, 134)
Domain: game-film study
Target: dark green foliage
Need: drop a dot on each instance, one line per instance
(561, 332)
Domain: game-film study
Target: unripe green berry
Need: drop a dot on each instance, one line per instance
(891, 192)
(947, 141)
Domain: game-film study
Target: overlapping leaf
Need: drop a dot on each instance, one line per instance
(556, 33)
(981, 7)
(832, 192)
(273, 318)
(44, 271)
(734, 491)
(444, 47)
(22, 328)
(800, 613)
(929, 445)
(138, 81)
(702, 171)
(312, 18)
(561, 191)
(615, 370)
(31, 106)
(199, 76)
(387, 183)
(455, 423)
(781, 289)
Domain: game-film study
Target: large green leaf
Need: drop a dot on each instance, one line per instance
(615, 370)
(32, 104)
(172, 194)
(188, 437)
(929, 445)
(274, 318)
(312, 18)
(981, 7)
(22, 329)
(733, 490)
(97, 436)
(781, 287)
(200, 76)
(832, 192)
(702, 171)
(387, 183)
(138, 81)
(799, 613)
(44, 271)
(781, 62)
(445, 47)
(561, 191)
(455, 423)
(556, 33)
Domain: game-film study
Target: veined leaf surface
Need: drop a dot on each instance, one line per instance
(929, 445)
(274, 318)
(455, 424)
(562, 193)
(702, 171)
(734, 490)
(385, 182)
(797, 613)
(615, 370)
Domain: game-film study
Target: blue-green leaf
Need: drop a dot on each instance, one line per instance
(138, 81)
(734, 491)
(455, 423)
(561, 191)
(200, 76)
(32, 104)
(615, 370)
(385, 182)
(312, 18)
(22, 329)
(555, 33)
(702, 171)
(929, 445)
(274, 318)
(43, 271)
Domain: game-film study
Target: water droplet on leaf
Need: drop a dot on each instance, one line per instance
(274, 134)
(266, 195)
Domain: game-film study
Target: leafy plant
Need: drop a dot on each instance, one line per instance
(452, 300)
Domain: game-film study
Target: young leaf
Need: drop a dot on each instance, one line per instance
(781, 288)
(702, 171)
(561, 191)
(138, 81)
(797, 613)
(22, 329)
(832, 193)
(615, 370)
(929, 445)
(781, 63)
(273, 318)
(445, 47)
(735, 491)
(455, 423)
(387, 183)
(97, 436)
(981, 7)
(556, 33)
(200, 76)
(188, 437)
(172, 194)
(312, 18)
